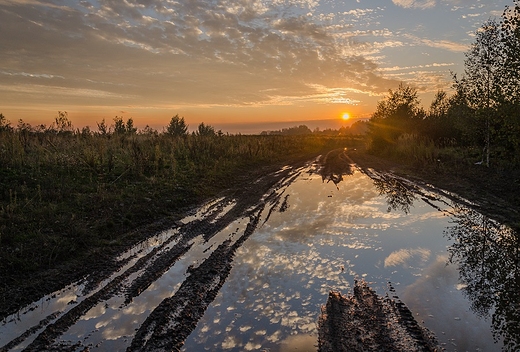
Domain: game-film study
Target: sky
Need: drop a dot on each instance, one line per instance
(239, 65)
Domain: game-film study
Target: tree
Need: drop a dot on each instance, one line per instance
(401, 104)
(398, 113)
(121, 128)
(103, 128)
(130, 129)
(177, 127)
(438, 124)
(205, 130)
(510, 37)
(119, 125)
(62, 124)
(149, 131)
(440, 105)
(5, 125)
(484, 78)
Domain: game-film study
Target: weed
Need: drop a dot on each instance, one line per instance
(65, 193)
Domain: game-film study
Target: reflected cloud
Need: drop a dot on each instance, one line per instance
(438, 302)
(301, 343)
(284, 271)
(404, 256)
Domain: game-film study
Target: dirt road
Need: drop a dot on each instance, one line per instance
(127, 276)
(161, 313)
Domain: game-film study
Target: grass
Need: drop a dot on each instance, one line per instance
(65, 195)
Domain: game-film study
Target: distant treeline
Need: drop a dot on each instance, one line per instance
(63, 125)
(482, 117)
(358, 128)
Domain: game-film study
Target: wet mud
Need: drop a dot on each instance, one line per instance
(363, 321)
(169, 324)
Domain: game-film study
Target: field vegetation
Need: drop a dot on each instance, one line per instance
(67, 193)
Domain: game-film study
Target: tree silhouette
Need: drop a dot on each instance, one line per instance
(484, 74)
(205, 130)
(177, 127)
(398, 113)
(487, 254)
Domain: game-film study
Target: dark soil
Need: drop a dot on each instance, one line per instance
(174, 319)
(363, 321)
(17, 292)
(171, 322)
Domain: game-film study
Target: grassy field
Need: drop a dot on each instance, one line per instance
(67, 195)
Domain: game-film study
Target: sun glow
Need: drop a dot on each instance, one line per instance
(345, 116)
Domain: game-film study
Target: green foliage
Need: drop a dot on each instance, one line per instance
(510, 38)
(483, 114)
(103, 128)
(65, 194)
(62, 124)
(397, 114)
(205, 130)
(119, 125)
(5, 125)
(177, 127)
(291, 131)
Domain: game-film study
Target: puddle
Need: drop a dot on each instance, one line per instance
(315, 233)
(328, 235)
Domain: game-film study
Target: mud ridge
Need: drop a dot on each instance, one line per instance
(363, 321)
(168, 326)
(196, 292)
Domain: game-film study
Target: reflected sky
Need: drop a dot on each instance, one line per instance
(315, 236)
(327, 236)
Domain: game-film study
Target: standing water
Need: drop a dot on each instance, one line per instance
(313, 232)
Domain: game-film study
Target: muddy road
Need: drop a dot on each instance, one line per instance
(211, 244)
(199, 284)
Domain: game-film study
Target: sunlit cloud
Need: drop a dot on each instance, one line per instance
(403, 68)
(403, 256)
(63, 91)
(439, 44)
(224, 54)
(420, 4)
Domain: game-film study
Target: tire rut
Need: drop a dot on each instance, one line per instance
(178, 314)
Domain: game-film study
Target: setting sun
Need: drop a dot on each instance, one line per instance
(345, 116)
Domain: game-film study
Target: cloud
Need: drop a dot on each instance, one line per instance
(403, 257)
(446, 45)
(399, 68)
(417, 4)
(449, 45)
(222, 52)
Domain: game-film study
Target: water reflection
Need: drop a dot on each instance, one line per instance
(284, 272)
(335, 165)
(399, 193)
(314, 236)
(488, 256)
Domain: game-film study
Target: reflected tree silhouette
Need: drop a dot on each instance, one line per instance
(488, 256)
(335, 165)
(399, 194)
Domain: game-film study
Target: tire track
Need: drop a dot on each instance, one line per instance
(198, 290)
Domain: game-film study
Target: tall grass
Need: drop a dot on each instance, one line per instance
(63, 193)
(422, 152)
